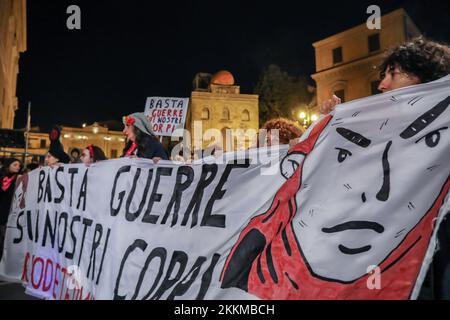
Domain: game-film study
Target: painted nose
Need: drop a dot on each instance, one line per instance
(383, 193)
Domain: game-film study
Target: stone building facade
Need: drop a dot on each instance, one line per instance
(13, 41)
(217, 103)
(346, 63)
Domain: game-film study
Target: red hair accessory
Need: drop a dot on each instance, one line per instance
(91, 152)
(129, 120)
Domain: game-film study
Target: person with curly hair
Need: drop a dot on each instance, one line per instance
(281, 131)
(417, 61)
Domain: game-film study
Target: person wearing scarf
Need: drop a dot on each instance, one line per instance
(142, 143)
(8, 176)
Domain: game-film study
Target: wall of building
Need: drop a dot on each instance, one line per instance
(358, 68)
(243, 114)
(111, 142)
(12, 42)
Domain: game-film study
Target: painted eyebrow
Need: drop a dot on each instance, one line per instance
(425, 120)
(354, 137)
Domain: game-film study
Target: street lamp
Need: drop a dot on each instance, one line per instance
(302, 115)
(306, 118)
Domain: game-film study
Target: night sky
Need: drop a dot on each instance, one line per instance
(129, 50)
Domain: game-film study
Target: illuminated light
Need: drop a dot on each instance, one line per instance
(79, 137)
(314, 117)
(122, 140)
(95, 130)
(66, 136)
(107, 138)
(84, 125)
(302, 115)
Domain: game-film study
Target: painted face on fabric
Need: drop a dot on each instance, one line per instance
(355, 204)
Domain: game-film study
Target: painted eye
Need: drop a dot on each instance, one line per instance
(290, 164)
(343, 154)
(433, 138)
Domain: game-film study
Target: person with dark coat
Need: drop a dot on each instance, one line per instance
(56, 154)
(8, 176)
(141, 140)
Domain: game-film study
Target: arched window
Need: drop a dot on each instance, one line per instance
(226, 114)
(245, 115)
(205, 114)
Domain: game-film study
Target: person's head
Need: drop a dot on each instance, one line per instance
(11, 166)
(281, 131)
(75, 153)
(135, 125)
(92, 154)
(51, 160)
(416, 61)
(138, 130)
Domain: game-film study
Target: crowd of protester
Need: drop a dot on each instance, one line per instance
(416, 61)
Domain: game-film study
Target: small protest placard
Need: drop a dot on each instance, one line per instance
(166, 114)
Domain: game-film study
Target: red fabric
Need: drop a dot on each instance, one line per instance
(54, 134)
(132, 149)
(7, 181)
(91, 152)
(130, 120)
(399, 270)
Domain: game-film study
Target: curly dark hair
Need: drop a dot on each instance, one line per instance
(288, 129)
(426, 59)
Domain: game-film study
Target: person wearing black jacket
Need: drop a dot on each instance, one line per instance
(142, 143)
(8, 176)
(56, 154)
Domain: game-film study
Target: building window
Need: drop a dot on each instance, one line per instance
(337, 55)
(245, 115)
(113, 153)
(340, 94)
(374, 87)
(43, 144)
(225, 114)
(374, 42)
(205, 114)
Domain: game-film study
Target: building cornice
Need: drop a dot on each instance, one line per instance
(362, 28)
(349, 66)
(225, 97)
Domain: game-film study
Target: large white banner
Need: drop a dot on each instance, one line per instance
(351, 212)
